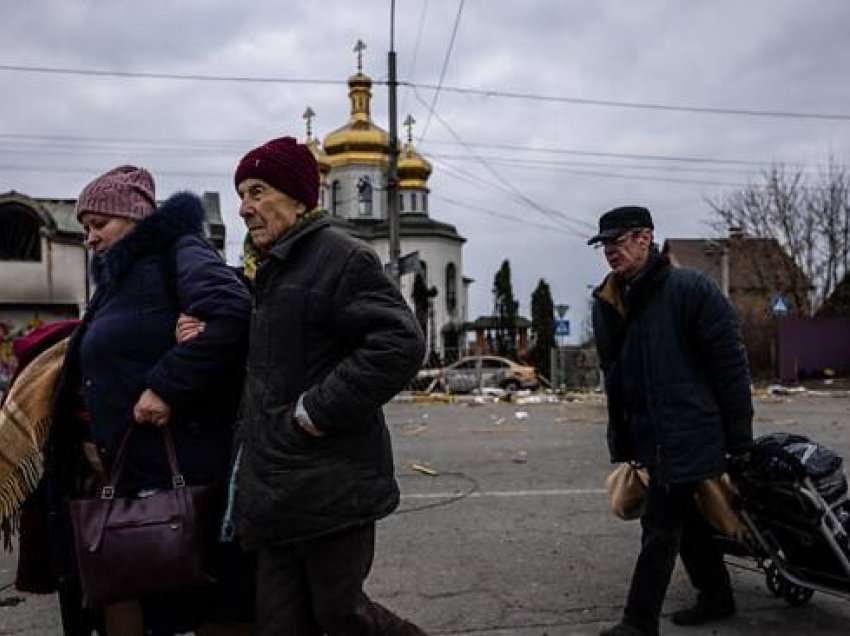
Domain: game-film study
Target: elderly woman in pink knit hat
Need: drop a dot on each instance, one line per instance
(125, 376)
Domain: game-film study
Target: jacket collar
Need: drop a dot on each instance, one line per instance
(281, 249)
(181, 214)
(627, 296)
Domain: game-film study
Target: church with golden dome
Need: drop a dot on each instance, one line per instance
(353, 163)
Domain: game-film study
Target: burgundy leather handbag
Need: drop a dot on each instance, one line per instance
(128, 547)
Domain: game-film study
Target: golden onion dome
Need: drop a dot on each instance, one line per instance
(413, 169)
(321, 156)
(360, 140)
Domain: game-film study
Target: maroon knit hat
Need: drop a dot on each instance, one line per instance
(286, 165)
(125, 191)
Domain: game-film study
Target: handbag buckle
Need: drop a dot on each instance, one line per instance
(178, 482)
(108, 492)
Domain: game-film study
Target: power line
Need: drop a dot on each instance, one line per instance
(637, 105)
(241, 144)
(443, 71)
(482, 92)
(617, 155)
(524, 162)
(411, 70)
(507, 217)
(544, 210)
(466, 177)
(169, 76)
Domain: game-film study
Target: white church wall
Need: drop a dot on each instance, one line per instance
(349, 177)
(436, 253)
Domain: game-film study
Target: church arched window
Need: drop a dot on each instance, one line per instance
(413, 202)
(364, 196)
(424, 201)
(401, 203)
(20, 239)
(451, 287)
(335, 198)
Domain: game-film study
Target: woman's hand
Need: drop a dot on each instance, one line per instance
(150, 409)
(188, 327)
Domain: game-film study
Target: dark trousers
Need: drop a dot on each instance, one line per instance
(673, 525)
(315, 587)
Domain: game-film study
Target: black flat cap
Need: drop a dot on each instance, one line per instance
(615, 222)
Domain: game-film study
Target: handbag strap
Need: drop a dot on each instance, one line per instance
(177, 479)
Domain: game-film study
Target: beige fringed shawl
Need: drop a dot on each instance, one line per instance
(25, 420)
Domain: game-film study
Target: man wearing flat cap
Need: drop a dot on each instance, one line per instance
(331, 341)
(679, 403)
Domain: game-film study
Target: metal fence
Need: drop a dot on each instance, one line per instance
(575, 368)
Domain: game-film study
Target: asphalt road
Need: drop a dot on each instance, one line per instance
(512, 535)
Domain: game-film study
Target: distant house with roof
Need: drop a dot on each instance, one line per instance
(838, 303)
(755, 274)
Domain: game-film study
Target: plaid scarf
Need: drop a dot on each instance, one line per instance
(25, 420)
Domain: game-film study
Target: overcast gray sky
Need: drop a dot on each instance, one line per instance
(59, 131)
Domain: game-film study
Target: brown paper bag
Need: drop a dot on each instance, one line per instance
(627, 490)
(714, 500)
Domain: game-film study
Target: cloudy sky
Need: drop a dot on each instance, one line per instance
(522, 178)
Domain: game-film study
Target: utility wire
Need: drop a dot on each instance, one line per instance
(565, 167)
(241, 144)
(571, 226)
(521, 161)
(467, 177)
(746, 112)
(501, 215)
(412, 68)
(443, 71)
(168, 76)
(617, 155)
(483, 92)
(548, 212)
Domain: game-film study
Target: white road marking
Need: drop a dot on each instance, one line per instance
(554, 492)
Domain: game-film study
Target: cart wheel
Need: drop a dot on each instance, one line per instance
(775, 582)
(795, 595)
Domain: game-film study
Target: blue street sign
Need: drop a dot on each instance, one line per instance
(562, 327)
(778, 306)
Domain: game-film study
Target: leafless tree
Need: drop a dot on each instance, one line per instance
(808, 217)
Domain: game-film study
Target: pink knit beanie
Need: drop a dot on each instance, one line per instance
(125, 191)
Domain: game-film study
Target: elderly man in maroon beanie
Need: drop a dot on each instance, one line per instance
(331, 341)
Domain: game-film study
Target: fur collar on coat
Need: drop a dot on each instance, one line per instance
(178, 216)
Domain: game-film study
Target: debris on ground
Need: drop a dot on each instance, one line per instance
(501, 429)
(778, 389)
(521, 415)
(425, 470)
(417, 429)
(529, 399)
(520, 458)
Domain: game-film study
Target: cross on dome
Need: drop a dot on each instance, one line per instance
(359, 47)
(409, 124)
(308, 116)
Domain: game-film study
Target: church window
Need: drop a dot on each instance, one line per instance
(364, 196)
(401, 203)
(335, 198)
(20, 239)
(424, 202)
(451, 287)
(413, 201)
